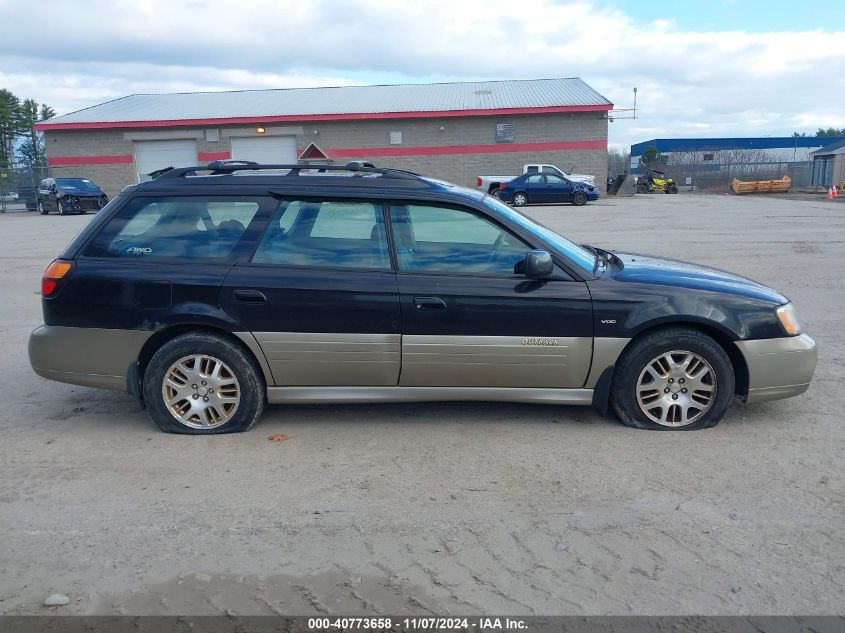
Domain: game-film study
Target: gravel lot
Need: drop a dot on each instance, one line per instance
(461, 508)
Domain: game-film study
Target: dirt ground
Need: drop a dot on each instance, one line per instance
(459, 508)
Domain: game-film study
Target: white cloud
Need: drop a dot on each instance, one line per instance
(690, 83)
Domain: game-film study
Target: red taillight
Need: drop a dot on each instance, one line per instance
(478, 182)
(502, 187)
(55, 272)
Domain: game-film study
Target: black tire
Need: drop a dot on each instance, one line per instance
(642, 188)
(623, 392)
(519, 199)
(672, 189)
(243, 365)
(41, 208)
(579, 198)
(496, 193)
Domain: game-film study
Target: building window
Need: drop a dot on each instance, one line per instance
(709, 156)
(212, 135)
(505, 132)
(396, 138)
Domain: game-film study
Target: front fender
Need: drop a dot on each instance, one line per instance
(624, 310)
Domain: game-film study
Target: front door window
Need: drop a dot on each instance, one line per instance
(435, 239)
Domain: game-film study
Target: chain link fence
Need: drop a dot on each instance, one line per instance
(17, 188)
(710, 176)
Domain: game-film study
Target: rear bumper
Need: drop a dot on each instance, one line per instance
(778, 367)
(92, 357)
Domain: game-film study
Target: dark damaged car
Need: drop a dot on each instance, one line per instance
(69, 195)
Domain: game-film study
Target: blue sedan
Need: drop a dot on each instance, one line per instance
(544, 189)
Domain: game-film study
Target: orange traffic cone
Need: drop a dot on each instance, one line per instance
(835, 193)
(829, 195)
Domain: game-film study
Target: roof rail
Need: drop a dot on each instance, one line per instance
(221, 167)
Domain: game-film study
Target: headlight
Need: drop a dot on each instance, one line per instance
(788, 319)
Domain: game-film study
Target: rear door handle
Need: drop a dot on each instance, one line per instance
(250, 296)
(429, 303)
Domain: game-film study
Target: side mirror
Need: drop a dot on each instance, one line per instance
(536, 265)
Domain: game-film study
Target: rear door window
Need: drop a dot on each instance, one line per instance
(326, 234)
(177, 227)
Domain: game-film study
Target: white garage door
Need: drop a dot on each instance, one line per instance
(265, 149)
(153, 155)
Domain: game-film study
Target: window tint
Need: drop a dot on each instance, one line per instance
(326, 234)
(441, 239)
(188, 228)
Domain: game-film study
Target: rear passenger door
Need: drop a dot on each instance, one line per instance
(469, 320)
(320, 296)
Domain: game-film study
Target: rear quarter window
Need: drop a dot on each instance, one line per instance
(178, 227)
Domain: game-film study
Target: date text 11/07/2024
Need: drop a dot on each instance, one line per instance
(417, 624)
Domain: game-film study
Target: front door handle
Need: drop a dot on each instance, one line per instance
(429, 303)
(250, 296)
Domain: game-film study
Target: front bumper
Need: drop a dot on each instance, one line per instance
(778, 367)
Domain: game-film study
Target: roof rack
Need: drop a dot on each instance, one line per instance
(223, 167)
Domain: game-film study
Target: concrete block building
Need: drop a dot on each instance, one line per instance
(453, 131)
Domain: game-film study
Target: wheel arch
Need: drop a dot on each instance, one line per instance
(724, 339)
(245, 340)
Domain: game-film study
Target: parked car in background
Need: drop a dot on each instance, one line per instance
(545, 189)
(29, 196)
(209, 294)
(11, 196)
(69, 195)
(491, 184)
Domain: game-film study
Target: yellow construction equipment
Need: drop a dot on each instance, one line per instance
(762, 186)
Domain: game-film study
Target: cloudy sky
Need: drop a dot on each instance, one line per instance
(702, 67)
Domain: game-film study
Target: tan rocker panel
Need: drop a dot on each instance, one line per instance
(331, 359)
(495, 361)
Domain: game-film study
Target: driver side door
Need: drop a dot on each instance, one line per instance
(558, 189)
(469, 320)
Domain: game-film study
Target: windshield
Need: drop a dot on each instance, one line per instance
(579, 256)
(76, 183)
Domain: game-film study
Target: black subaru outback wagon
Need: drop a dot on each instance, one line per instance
(214, 290)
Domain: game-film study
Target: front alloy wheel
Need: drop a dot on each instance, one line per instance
(676, 388)
(41, 208)
(579, 198)
(672, 378)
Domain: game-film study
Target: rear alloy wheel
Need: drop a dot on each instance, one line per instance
(520, 199)
(202, 384)
(674, 378)
(579, 198)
